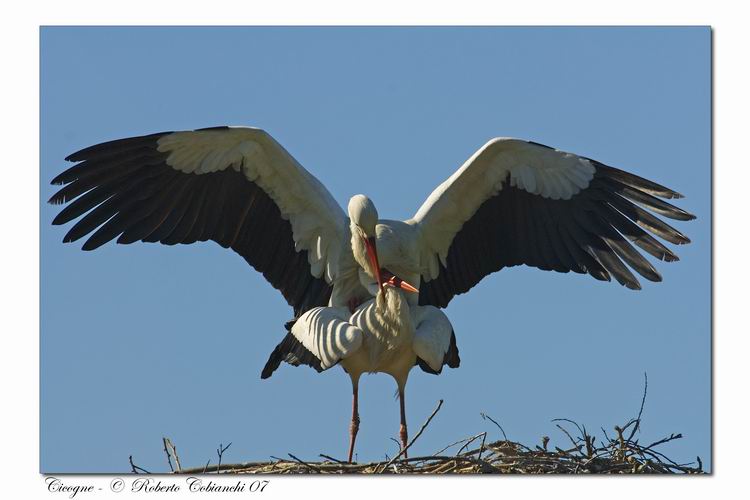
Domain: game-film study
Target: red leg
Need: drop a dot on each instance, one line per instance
(402, 431)
(355, 418)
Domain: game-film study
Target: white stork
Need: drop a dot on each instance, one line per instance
(348, 278)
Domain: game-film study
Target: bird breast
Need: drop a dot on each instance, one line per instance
(386, 324)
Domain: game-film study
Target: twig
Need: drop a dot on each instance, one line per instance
(168, 444)
(332, 459)
(640, 412)
(487, 417)
(545, 442)
(481, 448)
(575, 444)
(671, 437)
(169, 457)
(305, 464)
(620, 439)
(452, 445)
(471, 440)
(135, 468)
(220, 451)
(398, 443)
(225, 467)
(411, 442)
(571, 422)
(589, 443)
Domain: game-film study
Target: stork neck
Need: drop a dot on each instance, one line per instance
(392, 310)
(359, 250)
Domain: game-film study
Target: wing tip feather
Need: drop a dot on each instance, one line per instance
(633, 285)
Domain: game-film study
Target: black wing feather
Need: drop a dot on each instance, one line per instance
(124, 189)
(290, 350)
(590, 233)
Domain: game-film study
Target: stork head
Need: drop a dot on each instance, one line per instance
(364, 218)
(363, 214)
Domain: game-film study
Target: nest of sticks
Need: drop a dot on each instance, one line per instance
(618, 452)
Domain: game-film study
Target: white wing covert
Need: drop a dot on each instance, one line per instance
(518, 202)
(327, 334)
(233, 185)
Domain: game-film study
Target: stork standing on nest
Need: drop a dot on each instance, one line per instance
(349, 279)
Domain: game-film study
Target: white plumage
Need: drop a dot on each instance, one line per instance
(536, 169)
(335, 334)
(318, 223)
(327, 333)
(352, 280)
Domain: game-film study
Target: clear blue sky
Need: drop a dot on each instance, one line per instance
(144, 341)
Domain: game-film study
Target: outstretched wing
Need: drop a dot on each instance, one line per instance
(518, 202)
(236, 186)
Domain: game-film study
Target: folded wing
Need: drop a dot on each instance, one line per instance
(434, 340)
(319, 338)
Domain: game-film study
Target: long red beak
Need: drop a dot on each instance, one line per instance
(372, 253)
(397, 282)
(390, 279)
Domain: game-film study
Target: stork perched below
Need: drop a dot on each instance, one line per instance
(367, 293)
(387, 334)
